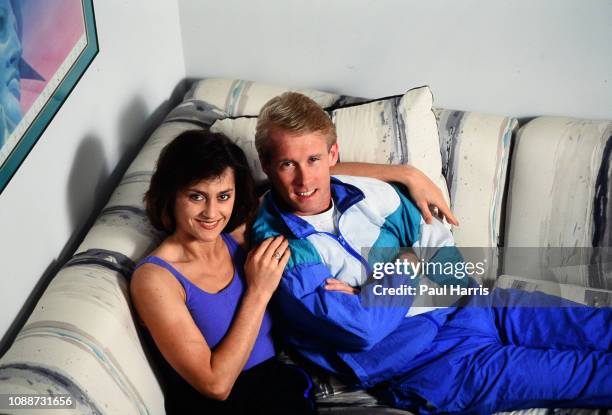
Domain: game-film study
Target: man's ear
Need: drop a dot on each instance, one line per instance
(265, 166)
(333, 154)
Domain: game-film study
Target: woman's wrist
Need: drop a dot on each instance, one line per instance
(257, 296)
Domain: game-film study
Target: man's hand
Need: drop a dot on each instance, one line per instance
(426, 195)
(332, 284)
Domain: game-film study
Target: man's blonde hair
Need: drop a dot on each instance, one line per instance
(294, 113)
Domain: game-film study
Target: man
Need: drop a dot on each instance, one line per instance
(475, 359)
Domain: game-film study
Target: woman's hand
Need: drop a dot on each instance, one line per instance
(265, 264)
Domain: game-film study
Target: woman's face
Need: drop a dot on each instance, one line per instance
(203, 209)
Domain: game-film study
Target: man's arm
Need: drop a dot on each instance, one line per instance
(343, 321)
(424, 192)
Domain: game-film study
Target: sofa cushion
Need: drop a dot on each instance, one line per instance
(395, 130)
(475, 154)
(560, 193)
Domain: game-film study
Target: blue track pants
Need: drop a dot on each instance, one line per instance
(536, 351)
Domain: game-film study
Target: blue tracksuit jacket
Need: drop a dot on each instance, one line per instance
(337, 330)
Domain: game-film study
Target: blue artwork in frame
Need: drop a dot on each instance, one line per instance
(45, 48)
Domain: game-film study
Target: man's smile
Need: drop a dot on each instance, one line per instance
(305, 195)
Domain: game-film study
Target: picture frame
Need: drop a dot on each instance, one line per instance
(47, 47)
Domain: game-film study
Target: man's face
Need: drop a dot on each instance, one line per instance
(299, 169)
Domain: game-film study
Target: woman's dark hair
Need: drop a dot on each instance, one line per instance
(191, 157)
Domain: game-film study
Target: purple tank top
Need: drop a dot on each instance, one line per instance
(214, 313)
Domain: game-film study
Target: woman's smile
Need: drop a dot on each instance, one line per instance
(208, 224)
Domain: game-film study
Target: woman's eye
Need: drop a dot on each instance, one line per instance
(224, 197)
(196, 197)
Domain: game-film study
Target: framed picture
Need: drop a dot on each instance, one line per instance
(45, 47)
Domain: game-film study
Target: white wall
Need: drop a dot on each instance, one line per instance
(515, 57)
(51, 197)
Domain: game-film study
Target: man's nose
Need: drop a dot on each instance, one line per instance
(302, 176)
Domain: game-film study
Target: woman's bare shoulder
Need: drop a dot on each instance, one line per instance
(150, 276)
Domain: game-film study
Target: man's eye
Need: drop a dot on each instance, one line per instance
(224, 197)
(286, 164)
(313, 159)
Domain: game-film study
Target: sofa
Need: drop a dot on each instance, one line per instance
(524, 194)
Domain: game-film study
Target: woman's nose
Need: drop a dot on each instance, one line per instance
(209, 209)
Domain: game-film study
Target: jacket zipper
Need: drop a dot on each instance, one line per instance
(340, 239)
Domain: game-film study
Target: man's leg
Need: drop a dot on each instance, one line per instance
(473, 367)
(538, 320)
(497, 377)
(514, 377)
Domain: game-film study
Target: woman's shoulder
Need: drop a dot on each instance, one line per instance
(154, 272)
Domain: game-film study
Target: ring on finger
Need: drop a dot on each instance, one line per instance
(277, 255)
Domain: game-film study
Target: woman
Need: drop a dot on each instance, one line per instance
(201, 298)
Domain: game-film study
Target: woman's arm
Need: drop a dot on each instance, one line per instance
(159, 301)
(422, 190)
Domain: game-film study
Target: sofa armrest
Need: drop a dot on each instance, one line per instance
(81, 340)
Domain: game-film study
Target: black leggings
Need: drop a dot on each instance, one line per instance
(270, 387)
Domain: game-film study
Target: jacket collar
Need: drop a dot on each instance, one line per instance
(345, 195)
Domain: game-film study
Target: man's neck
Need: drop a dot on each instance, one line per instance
(329, 207)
